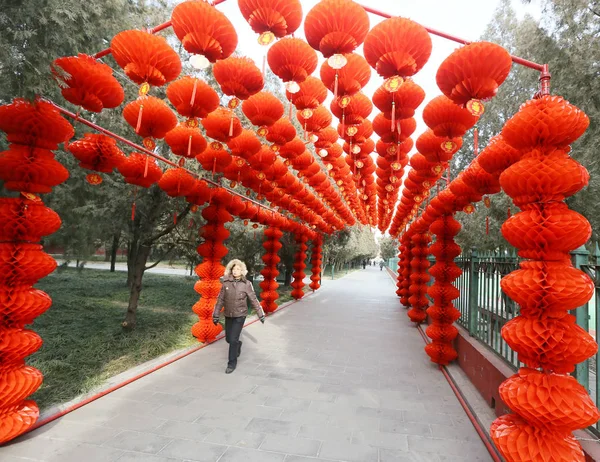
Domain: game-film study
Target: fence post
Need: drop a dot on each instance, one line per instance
(579, 258)
(473, 308)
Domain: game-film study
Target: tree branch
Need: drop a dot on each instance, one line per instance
(594, 12)
(146, 268)
(169, 228)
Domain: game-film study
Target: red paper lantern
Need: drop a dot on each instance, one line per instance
(348, 80)
(22, 219)
(336, 26)
(474, 71)
(97, 152)
(269, 284)
(397, 47)
(280, 17)
(402, 102)
(281, 132)
(145, 57)
(316, 260)
(314, 120)
(263, 109)
(351, 110)
(150, 117)
(311, 94)
(87, 82)
(244, 145)
(204, 30)
(192, 97)
(222, 125)
(214, 159)
(238, 77)
(177, 182)
(292, 59)
(185, 140)
(140, 169)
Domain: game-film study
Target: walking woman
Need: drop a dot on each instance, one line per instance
(233, 297)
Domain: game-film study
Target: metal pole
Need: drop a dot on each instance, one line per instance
(580, 258)
(473, 307)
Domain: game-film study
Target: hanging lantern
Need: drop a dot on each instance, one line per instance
(238, 77)
(177, 182)
(272, 18)
(336, 26)
(88, 83)
(397, 47)
(244, 145)
(292, 59)
(145, 57)
(310, 93)
(150, 117)
(140, 169)
(314, 121)
(97, 152)
(447, 119)
(348, 80)
(204, 30)
(263, 109)
(192, 97)
(473, 73)
(222, 125)
(281, 132)
(402, 102)
(352, 110)
(186, 140)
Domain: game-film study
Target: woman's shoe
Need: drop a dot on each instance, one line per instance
(229, 370)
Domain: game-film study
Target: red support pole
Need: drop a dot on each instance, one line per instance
(154, 30)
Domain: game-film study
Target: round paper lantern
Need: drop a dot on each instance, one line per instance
(437, 149)
(299, 265)
(352, 110)
(446, 118)
(37, 124)
(87, 82)
(314, 120)
(140, 169)
(348, 80)
(214, 159)
(192, 97)
(186, 140)
(336, 26)
(238, 77)
(316, 260)
(222, 125)
(292, 59)
(150, 117)
(263, 109)
(402, 103)
(281, 132)
(397, 47)
(279, 17)
(145, 57)
(311, 94)
(22, 219)
(204, 30)
(498, 155)
(177, 182)
(245, 145)
(474, 72)
(393, 133)
(269, 284)
(97, 152)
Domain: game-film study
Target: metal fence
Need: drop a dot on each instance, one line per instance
(484, 308)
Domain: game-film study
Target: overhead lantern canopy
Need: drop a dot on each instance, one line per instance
(474, 73)
(204, 32)
(271, 18)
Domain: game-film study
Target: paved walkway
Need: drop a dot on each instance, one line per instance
(340, 376)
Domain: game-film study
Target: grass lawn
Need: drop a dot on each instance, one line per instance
(338, 274)
(84, 343)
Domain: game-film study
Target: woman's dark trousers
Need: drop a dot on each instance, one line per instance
(233, 329)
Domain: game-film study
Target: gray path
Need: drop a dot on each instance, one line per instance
(340, 376)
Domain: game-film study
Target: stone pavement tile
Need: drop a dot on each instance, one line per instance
(184, 430)
(168, 398)
(469, 458)
(135, 423)
(354, 423)
(455, 432)
(193, 450)
(381, 440)
(186, 413)
(338, 450)
(137, 457)
(325, 432)
(292, 458)
(219, 420)
(447, 447)
(405, 428)
(303, 417)
(20, 459)
(287, 403)
(139, 442)
(279, 427)
(238, 438)
(428, 418)
(252, 410)
(250, 455)
(361, 398)
(246, 398)
(291, 445)
(93, 413)
(333, 409)
(62, 429)
(36, 448)
(87, 452)
(393, 455)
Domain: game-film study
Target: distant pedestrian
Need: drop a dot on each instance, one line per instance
(381, 265)
(364, 264)
(233, 297)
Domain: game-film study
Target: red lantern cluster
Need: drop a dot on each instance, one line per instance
(33, 129)
(269, 284)
(418, 277)
(279, 17)
(443, 313)
(210, 270)
(97, 152)
(546, 286)
(403, 282)
(316, 261)
(299, 265)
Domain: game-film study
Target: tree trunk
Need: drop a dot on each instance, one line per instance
(139, 266)
(113, 250)
(288, 276)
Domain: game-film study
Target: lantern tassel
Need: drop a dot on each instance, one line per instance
(344, 121)
(214, 169)
(133, 211)
(487, 225)
(508, 214)
(290, 114)
(189, 150)
(264, 66)
(193, 98)
(146, 166)
(393, 116)
(139, 120)
(231, 125)
(475, 143)
(335, 86)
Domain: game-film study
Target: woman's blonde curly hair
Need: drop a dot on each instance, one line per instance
(238, 263)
